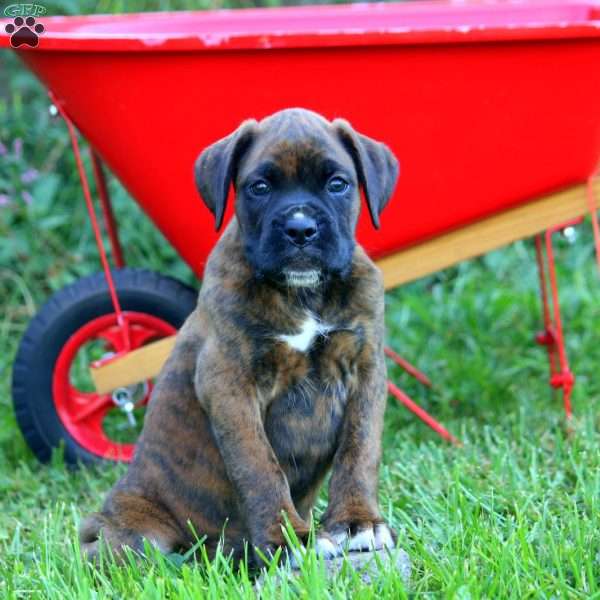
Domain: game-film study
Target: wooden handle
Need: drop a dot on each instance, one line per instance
(404, 266)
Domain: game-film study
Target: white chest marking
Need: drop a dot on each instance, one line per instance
(309, 330)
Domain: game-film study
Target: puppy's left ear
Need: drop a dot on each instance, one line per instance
(216, 167)
(376, 166)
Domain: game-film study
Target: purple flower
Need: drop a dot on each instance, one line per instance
(29, 175)
(18, 146)
(4, 200)
(27, 197)
(3, 149)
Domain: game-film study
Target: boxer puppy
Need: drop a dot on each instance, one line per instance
(279, 375)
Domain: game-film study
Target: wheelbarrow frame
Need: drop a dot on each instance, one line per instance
(539, 216)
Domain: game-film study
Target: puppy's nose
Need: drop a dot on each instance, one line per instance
(301, 229)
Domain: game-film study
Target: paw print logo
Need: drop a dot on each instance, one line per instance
(24, 32)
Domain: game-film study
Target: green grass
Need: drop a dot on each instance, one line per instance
(513, 513)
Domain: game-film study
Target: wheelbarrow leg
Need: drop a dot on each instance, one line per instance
(121, 319)
(552, 337)
(107, 211)
(408, 367)
(409, 403)
(421, 413)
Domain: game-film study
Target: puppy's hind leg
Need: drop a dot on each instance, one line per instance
(129, 522)
(96, 530)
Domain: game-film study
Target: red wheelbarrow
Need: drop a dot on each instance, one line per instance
(492, 109)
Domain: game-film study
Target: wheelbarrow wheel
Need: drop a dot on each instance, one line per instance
(55, 401)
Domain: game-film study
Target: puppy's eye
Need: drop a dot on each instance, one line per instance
(260, 188)
(337, 185)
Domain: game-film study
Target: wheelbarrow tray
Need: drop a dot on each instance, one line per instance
(487, 106)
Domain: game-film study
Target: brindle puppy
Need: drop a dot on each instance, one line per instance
(279, 373)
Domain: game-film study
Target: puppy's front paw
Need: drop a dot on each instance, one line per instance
(364, 536)
(325, 547)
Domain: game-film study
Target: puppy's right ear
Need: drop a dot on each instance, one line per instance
(216, 167)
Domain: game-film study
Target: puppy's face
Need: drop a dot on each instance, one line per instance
(297, 202)
(297, 179)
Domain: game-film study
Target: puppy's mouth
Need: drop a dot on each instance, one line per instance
(297, 279)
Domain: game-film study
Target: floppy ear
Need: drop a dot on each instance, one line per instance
(216, 166)
(376, 166)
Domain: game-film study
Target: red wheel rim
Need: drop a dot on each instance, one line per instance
(82, 413)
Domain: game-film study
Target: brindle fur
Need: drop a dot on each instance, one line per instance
(241, 427)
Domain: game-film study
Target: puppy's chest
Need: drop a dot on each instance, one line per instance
(305, 378)
(311, 361)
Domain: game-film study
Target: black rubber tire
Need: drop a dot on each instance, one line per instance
(62, 315)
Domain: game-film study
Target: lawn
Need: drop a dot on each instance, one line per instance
(511, 513)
